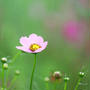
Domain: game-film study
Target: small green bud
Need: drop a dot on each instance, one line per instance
(4, 59)
(17, 72)
(81, 74)
(66, 79)
(46, 79)
(5, 66)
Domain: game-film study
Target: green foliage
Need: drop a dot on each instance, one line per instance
(17, 20)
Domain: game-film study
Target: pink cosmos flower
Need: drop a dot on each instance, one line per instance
(32, 44)
(74, 31)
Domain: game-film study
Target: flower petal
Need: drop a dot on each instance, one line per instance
(32, 39)
(22, 48)
(43, 46)
(24, 41)
(33, 36)
(40, 39)
(35, 39)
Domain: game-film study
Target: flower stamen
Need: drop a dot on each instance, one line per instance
(34, 47)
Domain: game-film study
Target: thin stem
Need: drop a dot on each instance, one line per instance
(14, 58)
(6, 82)
(65, 86)
(12, 82)
(55, 86)
(32, 76)
(47, 87)
(77, 85)
(3, 77)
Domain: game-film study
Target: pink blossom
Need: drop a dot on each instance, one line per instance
(74, 31)
(32, 44)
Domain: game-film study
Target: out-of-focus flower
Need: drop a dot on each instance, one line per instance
(74, 32)
(46, 79)
(32, 44)
(56, 76)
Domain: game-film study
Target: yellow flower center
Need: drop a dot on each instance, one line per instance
(34, 47)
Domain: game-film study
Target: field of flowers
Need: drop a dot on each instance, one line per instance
(44, 44)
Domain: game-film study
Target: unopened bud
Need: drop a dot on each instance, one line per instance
(4, 59)
(46, 79)
(81, 74)
(66, 79)
(17, 72)
(5, 66)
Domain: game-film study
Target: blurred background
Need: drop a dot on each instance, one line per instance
(63, 23)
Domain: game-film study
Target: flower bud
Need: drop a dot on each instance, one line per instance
(46, 79)
(81, 74)
(17, 72)
(66, 79)
(4, 59)
(5, 66)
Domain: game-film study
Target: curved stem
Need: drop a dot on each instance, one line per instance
(14, 58)
(65, 86)
(77, 84)
(12, 82)
(32, 76)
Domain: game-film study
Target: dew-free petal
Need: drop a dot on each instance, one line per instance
(32, 44)
(25, 41)
(43, 45)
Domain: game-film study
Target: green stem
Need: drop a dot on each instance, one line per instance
(14, 58)
(65, 86)
(32, 76)
(77, 85)
(55, 85)
(3, 77)
(6, 78)
(12, 82)
(47, 87)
